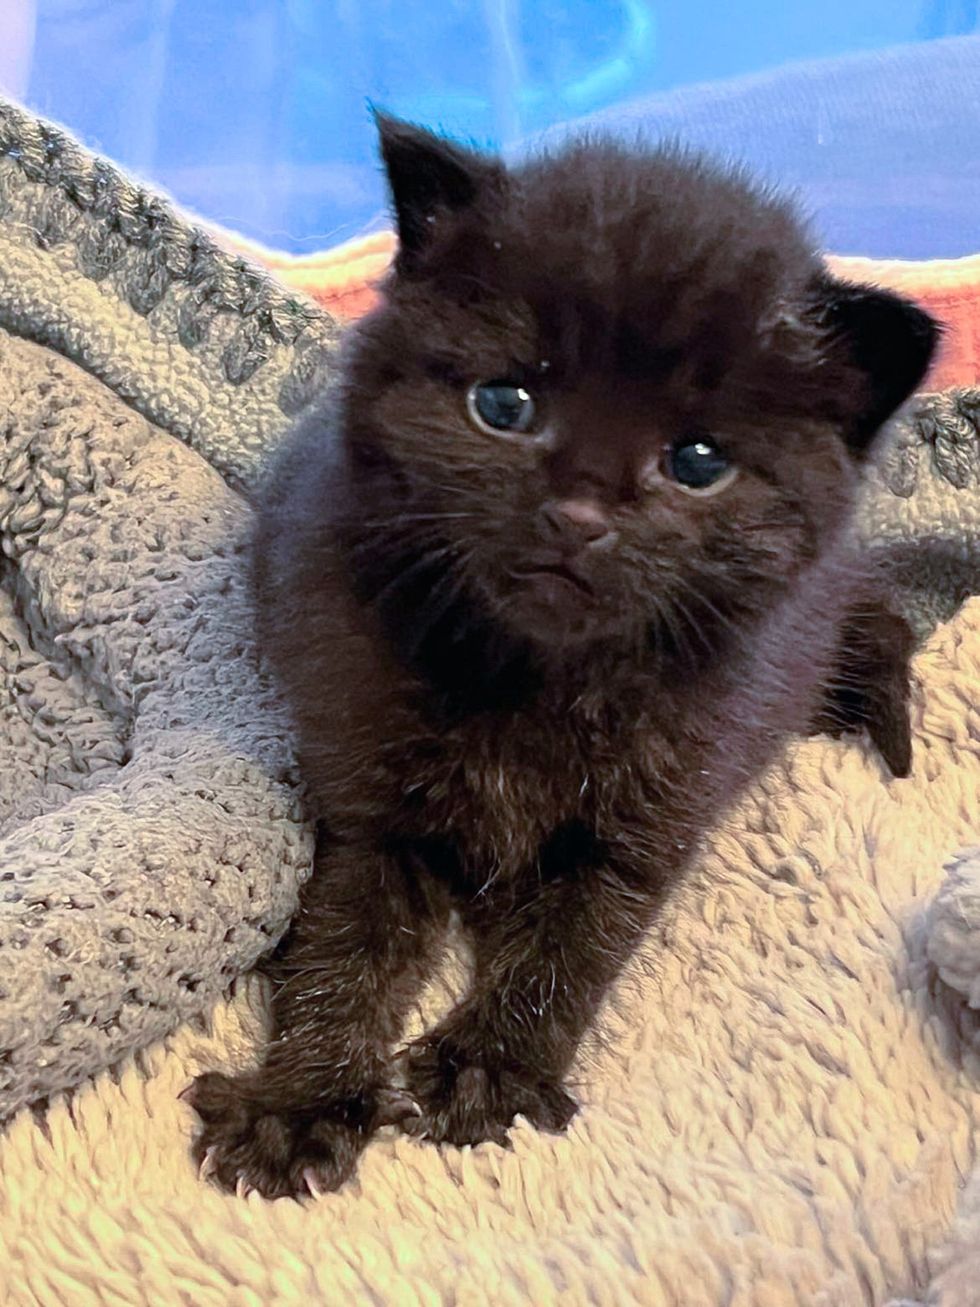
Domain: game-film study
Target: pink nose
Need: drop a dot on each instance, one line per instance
(577, 519)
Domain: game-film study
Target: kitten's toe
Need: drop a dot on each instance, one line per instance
(546, 1106)
(247, 1142)
(466, 1099)
(395, 1106)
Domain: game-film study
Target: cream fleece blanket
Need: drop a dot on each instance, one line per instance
(782, 1111)
(782, 1106)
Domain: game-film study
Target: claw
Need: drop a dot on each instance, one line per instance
(309, 1177)
(409, 1052)
(394, 1105)
(186, 1095)
(416, 1126)
(242, 1187)
(207, 1165)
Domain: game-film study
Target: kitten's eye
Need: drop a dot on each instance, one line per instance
(500, 406)
(699, 467)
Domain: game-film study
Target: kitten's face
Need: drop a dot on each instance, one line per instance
(600, 398)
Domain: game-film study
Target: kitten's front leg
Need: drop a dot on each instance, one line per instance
(342, 981)
(869, 687)
(545, 954)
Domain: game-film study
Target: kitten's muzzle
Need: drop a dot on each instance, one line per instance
(552, 579)
(575, 525)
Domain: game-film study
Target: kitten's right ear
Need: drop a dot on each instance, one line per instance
(430, 179)
(889, 339)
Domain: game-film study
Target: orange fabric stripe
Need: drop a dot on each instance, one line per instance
(343, 280)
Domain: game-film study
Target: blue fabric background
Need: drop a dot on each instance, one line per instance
(884, 149)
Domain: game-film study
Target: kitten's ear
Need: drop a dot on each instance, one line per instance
(430, 178)
(888, 338)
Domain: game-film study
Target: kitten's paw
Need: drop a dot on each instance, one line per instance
(465, 1099)
(248, 1142)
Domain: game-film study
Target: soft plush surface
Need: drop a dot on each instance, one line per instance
(783, 1112)
(783, 1103)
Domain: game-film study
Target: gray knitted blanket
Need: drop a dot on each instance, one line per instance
(151, 846)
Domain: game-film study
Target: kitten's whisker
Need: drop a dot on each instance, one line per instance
(727, 621)
(397, 520)
(418, 565)
(693, 625)
(386, 537)
(451, 581)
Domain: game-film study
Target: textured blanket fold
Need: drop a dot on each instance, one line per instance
(783, 1103)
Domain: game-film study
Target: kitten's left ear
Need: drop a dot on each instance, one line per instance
(888, 338)
(430, 179)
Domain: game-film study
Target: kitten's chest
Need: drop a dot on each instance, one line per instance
(499, 788)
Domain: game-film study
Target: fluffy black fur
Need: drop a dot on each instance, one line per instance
(527, 672)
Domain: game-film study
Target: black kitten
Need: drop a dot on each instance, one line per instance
(545, 586)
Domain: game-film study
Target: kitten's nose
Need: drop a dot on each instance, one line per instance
(576, 521)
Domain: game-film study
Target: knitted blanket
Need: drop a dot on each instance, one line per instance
(782, 1103)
